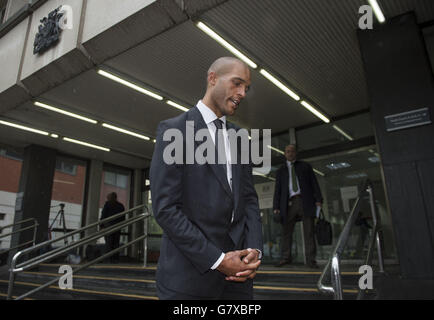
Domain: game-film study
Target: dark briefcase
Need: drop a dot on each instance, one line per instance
(323, 231)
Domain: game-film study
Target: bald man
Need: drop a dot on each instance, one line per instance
(212, 239)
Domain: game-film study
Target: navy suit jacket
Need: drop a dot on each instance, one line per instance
(193, 204)
(310, 191)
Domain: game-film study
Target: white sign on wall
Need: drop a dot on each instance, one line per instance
(265, 193)
(348, 193)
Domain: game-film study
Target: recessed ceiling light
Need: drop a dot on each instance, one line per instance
(279, 84)
(337, 166)
(86, 144)
(129, 84)
(109, 126)
(315, 112)
(342, 132)
(225, 44)
(18, 126)
(54, 135)
(375, 153)
(176, 105)
(377, 10)
(70, 114)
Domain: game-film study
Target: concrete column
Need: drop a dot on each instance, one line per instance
(400, 79)
(136, 229)
(93, 196)
(34, 195)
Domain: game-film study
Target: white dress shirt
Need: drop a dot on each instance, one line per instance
(291, 190)
(209, 116)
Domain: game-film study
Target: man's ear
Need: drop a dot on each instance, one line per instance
(212, 78)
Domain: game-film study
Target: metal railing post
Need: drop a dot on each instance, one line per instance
(380, 252)
(32, 262)
(376, 232)
(333, 262)
(336, 278)
(12, 275)
(145, 243)
(34, 233)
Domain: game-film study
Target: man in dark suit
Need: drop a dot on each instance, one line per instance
(112, 207)
(212, 240)
(296, 197)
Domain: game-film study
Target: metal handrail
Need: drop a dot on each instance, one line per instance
(32, 262)
(334, 261)
(34, 226)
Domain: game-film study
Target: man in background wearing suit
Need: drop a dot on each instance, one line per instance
(212, 240)
(112, 207)
(296, 197)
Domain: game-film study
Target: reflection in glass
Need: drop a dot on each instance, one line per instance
(68, 189)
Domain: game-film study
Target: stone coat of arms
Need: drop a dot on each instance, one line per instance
(49, 32)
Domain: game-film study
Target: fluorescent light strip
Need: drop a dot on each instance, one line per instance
(46, 106)
(226, 44)
(86, 144)
(315, 112)
(178, 106)
(55, 136)
(129, 84)
(342, 132)
(318, 172)
(377, 10)
(18, 126)
(275, 149)
(109, 126)
(280, 85)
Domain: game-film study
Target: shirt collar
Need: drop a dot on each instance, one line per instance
(289, 163)
(207, 114)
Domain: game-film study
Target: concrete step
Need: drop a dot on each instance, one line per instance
(81, 291)
(279, 276)
(132, 281)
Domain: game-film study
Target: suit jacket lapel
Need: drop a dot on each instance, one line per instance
(286, 178)
(236, 171)
(219, 172)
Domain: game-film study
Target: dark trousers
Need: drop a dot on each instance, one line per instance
(112, 242)
(295, 213)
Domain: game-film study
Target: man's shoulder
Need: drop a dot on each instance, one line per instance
(282, 167)
(303, 164)
(175, 122)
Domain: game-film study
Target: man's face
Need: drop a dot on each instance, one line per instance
(290, 153)
(231, 88)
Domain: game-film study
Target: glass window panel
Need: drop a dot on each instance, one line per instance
(10, 172)
(110, 178)
(121, 181)
(116, 180)
(68, 190)
(340, 189)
